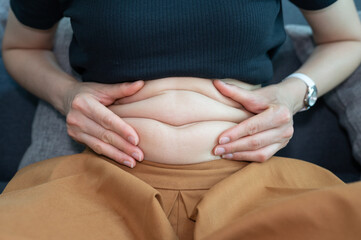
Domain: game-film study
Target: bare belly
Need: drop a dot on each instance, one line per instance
(179, 119)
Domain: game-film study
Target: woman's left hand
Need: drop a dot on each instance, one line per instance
(261, 136)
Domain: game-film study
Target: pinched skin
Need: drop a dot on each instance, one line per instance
(179, 119)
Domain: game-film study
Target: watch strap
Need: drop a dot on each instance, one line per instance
(310, 85)
(309, 82)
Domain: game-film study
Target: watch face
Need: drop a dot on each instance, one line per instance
(312, 97)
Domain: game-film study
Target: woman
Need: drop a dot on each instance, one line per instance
(180, 118)
(247, 59)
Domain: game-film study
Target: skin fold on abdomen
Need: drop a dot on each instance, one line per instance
(178, 122)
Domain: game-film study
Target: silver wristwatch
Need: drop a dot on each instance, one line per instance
(311, 95)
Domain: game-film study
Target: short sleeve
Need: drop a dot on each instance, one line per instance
(40, 14)
(312, 4)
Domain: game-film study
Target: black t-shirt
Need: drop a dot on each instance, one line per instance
(128, 40)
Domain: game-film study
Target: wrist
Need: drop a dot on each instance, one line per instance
(295, 91)
(61, 100)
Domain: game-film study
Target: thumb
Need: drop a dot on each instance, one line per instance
(120, 90)
(250, 100)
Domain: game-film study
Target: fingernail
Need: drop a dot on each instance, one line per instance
(131, 139)
(219, 151)
(129, 164)
(224, 83)
(136, 156)
(224, 140)
(229, 155)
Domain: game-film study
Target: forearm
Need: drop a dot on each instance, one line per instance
(329, 65)
(28, 57)
(37, 71)
(337, 34)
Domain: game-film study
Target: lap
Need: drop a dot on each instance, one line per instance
(88, 196)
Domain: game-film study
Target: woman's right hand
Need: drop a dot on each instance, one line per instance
(27, 53)
(89, 121)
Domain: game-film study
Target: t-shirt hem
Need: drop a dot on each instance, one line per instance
(313, 5)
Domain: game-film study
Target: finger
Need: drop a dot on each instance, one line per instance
(260, 155)
(250, 143)
(273, 117)
(251, 101)
(81, 124)
(107, 150)
(120, 90)
(105, 117)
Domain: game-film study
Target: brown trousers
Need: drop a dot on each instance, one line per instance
(86, 196)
